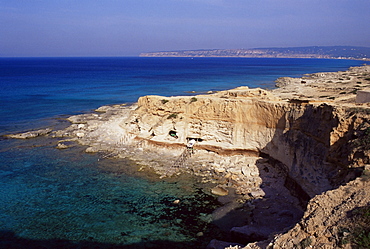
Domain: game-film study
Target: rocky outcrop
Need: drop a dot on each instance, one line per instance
(307, 139)
(325, 223)
(30, 134)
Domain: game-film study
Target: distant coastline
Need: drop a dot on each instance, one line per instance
(320, 52)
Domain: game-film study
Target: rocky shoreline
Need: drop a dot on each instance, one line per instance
(267, 153)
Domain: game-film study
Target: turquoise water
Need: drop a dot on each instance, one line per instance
(49, 195)
(53, 198)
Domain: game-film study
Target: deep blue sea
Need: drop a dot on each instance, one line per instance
(52, 198)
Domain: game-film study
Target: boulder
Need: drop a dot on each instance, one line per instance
(363, 96)
(219, 190)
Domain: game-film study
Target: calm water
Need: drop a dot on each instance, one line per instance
(70, 199)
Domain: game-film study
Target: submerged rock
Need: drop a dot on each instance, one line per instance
(62, 146)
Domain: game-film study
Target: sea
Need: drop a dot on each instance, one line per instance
(52, 198)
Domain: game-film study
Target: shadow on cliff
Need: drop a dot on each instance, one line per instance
(9, 240)
(292, 169)
(298, 163)
(279, 207)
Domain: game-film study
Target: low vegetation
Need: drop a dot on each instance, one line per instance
(172, 116)
(357, 230)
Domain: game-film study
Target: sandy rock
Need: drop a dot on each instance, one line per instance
(92, 150)
(219, 190)
(62, 146)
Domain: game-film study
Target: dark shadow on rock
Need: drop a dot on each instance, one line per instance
(294, 167)
(276, 211)
(298, 163)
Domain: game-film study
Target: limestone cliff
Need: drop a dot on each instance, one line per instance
(310, 140)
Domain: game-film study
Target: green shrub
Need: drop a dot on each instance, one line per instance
(366, 139)
(193, 99)
(164, 101)
(354, 110)
(363, 239)
(357, 228)
(173, 115)
(305, 243)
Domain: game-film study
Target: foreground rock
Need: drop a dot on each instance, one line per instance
(278, 151)
(326, 222)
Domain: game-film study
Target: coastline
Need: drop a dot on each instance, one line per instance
(122, 131)
(262, 57)
(317, 52)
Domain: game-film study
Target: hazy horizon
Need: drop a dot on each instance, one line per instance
(119, 28)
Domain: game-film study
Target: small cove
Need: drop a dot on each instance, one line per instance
(76, 197)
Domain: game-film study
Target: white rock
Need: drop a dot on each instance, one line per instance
(219, 170)
(233, 170)
(80, 134)
(257, 193)
(246, 171)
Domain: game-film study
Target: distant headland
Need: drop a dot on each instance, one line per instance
(325, 52)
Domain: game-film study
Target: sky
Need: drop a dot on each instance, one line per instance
(128, 27)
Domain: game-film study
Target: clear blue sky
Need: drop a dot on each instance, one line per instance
(128, 27)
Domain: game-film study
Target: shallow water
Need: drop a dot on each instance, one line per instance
(70, 195)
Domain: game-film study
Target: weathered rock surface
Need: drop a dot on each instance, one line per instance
(219, 190)
(338, 87)
(363, 96)
(30, 134)
(323, 220)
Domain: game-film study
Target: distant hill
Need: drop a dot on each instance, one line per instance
(337, 52)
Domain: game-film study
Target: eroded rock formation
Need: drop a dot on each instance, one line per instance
(310, 140)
